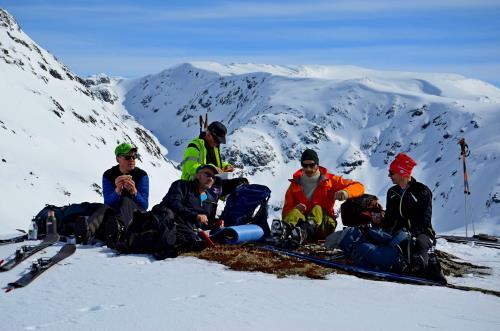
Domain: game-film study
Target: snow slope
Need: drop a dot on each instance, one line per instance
(58, 132)
(358, 119)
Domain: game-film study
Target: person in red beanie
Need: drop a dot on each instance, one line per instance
(409, 206)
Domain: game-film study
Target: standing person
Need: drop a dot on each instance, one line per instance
(125, 187)
(309, 200)
(205, 150)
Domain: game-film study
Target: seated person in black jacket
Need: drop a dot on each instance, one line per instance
(193, 202)
(403, 240)
(409, 206)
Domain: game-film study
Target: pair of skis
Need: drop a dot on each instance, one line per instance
(479, 240)
(371, 273)
(16, 239)
(38, 267)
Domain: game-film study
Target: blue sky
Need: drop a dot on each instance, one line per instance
(135, 38)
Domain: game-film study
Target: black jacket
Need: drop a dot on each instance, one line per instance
(410, 209)
(184, 200)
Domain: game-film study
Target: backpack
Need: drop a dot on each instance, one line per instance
(156, 232)
(81, 219)
(248, 205)
(358, 211)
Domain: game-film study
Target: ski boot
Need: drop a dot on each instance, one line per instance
(82, 231)
(434, 270)
(303, 231)
(280, 230)
(114, 231)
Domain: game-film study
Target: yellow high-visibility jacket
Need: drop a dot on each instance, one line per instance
(195, 156)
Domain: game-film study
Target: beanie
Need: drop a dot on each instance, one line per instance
(310, 155)
(402, 165)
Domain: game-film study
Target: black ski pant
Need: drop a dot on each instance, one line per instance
(125, 212)
(420, 251)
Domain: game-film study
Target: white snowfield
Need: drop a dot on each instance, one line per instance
(96, 290)
(57, 136)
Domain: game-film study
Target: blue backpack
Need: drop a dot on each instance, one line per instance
(247, 205)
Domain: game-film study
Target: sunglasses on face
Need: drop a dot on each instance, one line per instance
(391, 173)
(206, 174)
(309, 165)
(129, 157)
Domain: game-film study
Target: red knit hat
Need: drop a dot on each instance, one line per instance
(402, 165)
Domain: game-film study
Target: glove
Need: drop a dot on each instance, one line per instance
(341, 195)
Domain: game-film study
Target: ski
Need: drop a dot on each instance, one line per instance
(13, 240)
(479, 240)
(25, 251)
(371, 273)
(353, 269)
(40, 266)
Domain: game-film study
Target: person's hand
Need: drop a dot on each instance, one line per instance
(377, 218)
(301, 207)
(228, 168)
(130, 186)
(219, 224)
(203, 219)
(119, 183)
(341, 195)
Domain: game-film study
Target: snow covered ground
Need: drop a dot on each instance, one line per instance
(96, 290)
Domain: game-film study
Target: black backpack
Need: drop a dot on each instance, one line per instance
(156, 232)
(248, 205)
(81, 219)
(358, 211)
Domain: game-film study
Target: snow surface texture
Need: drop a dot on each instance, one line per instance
(96, 290)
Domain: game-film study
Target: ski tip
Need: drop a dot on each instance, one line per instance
(8, 289)
(1, 262)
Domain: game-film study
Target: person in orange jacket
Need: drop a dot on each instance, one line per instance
(308, 209)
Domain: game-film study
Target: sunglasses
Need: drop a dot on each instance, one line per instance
(206, 174)
(309, 165)
(129, 157)
(391, 173)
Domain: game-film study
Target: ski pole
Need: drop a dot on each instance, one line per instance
(464, 153)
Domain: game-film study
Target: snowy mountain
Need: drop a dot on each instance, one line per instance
(358, 120)
(58, 132)
(57, 136)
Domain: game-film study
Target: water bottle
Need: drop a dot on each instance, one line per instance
(33, 231)
(51, 225)
(71, 239)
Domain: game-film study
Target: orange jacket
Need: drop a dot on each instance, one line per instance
(324, 193)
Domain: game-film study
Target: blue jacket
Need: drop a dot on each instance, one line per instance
(113, 199)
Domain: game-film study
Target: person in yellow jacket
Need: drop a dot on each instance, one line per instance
(205, 150)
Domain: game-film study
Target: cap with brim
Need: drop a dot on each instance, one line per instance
(124, 149)
(207, 166)
(218, 130)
